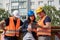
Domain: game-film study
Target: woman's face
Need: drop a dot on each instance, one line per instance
(32, 17)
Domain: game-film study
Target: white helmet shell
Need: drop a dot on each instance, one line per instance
(16, 13)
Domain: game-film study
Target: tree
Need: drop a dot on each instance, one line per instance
(54, 14)
(3, 14)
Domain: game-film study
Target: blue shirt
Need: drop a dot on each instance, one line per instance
(47, 19)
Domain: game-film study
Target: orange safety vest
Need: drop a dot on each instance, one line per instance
(41, 30)
(11, 29)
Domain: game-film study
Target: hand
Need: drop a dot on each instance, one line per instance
(29, 29)
(38, 26)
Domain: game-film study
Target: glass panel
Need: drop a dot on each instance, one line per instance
(50, 3)
(14, 4)
(14, 0)
(14, 7)
(32, 3)
(23, 0)
(1, 1)
(0, 4)
(40, 3)
(59, 2)
(23, 11)
(22, 5)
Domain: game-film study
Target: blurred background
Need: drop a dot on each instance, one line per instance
(51, 7)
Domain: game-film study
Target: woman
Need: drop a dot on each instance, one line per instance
(28, 30)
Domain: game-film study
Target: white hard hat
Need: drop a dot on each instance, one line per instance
(16, 13)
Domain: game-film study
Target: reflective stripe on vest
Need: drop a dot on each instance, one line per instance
(11, 29)
(43, 31)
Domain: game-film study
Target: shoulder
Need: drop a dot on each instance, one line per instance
(7, 19)
(26, 21)
(48, 19)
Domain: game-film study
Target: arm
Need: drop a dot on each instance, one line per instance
(23, 27)
(2, 23)
(47, 22)
(21, 23)
(48, 25)
(6, 21)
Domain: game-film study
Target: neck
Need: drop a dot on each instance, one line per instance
(15, 18)
(31, 22)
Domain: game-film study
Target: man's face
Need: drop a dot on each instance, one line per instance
(41, 14)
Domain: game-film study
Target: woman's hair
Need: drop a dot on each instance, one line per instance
(30, 20)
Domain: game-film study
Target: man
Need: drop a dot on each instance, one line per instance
(11, 31)
(44, 29)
